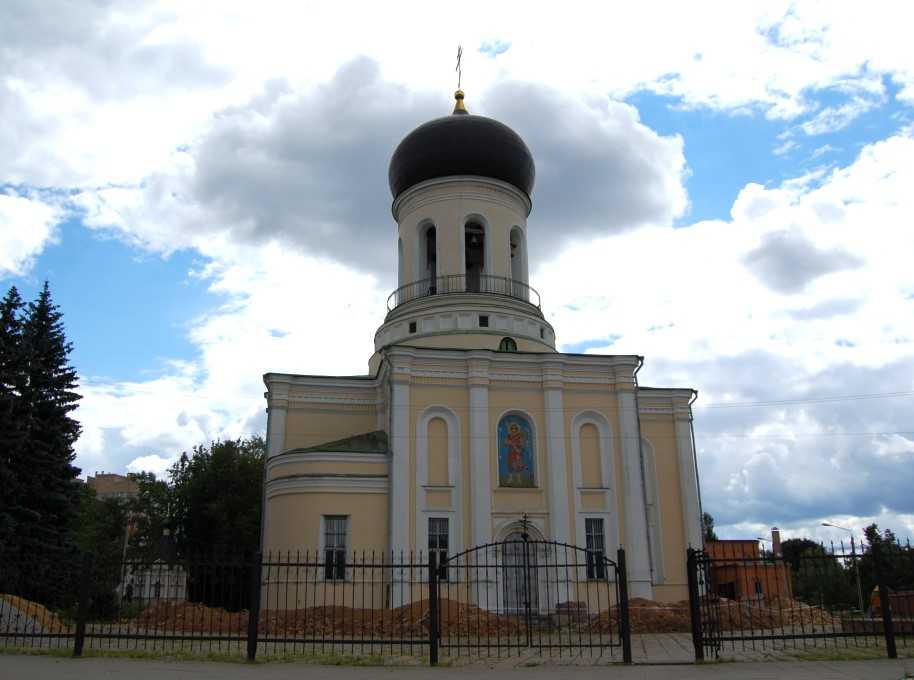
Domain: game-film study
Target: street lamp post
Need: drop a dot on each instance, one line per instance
(854, 559)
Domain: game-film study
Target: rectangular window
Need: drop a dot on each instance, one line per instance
(438, 541)
(596, 549)
(335, 547)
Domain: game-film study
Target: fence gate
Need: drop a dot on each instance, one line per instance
(520, 596)
(704, 606)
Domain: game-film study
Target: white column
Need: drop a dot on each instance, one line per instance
(688, 483)
(556, 462)
(480, 466)
(636, 547)
(399, 484)
(399, 466)
(277, 406)
(277, 429)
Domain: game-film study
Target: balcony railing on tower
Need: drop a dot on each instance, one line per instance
(461, 283)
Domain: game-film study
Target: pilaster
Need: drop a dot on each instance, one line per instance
(691, 510)
(480, 453)
(636, 538)
(559, 519)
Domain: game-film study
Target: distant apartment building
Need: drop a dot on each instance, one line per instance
(111, 485)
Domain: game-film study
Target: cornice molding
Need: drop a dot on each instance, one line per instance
(475, 187)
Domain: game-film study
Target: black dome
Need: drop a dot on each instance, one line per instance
(461, 144)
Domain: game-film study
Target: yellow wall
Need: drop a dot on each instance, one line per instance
(311, 427)
(661, 434)
(295, 519)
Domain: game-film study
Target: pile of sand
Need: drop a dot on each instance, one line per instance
(36, 615)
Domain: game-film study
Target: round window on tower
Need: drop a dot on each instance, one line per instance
(507, 345)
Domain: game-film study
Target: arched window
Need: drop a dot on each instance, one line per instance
(400, 263)
(507, 345)
(428, 260)
(518, 249)
(474, 255)
(516, 452)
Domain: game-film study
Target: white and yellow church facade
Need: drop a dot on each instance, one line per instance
(470, 427)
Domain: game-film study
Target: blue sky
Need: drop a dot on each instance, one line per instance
(729, 199)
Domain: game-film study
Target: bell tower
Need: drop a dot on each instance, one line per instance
(461, 187)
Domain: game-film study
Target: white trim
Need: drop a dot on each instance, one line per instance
(400, 481)
(291, 457)
(610, 514)
(480, 462)
(557, 462)
(636, 548)
(487, 187)
(454, 458)
(326, 484)
(688, 485)
(654, 511)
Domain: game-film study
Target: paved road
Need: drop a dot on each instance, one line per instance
(49, 668)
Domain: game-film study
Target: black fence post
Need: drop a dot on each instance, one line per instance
(82, 607)
(625, 630)
(433, 608)
(885, 605)
(695, 603)
(254, 608)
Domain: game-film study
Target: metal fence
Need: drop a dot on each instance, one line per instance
(817, 596)
(460, 283)
(496, 599)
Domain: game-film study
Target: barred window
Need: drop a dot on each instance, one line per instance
(596, 548)
(438, 541)
(335, 547)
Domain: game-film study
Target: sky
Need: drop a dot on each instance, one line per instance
(724, 188)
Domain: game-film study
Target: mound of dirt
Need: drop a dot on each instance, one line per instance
(33, 613)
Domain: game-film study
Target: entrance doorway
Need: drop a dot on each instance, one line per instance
(521, 585)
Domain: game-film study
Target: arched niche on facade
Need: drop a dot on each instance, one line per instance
(438, 474)
(594, 476)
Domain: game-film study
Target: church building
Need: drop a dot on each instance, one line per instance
(470, 427)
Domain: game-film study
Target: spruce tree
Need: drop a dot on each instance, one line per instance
(49, 504)
(12, 428)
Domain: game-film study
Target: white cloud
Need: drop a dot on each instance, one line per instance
(835, 118)
(27, 225)
(284, 312)
(689, 300)
(104, 93)
(154, 463)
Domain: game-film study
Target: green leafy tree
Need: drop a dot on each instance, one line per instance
(896, 561)
(707, 527)
(101, 531)
(819, 577)
(217, 494)
(150, 513)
